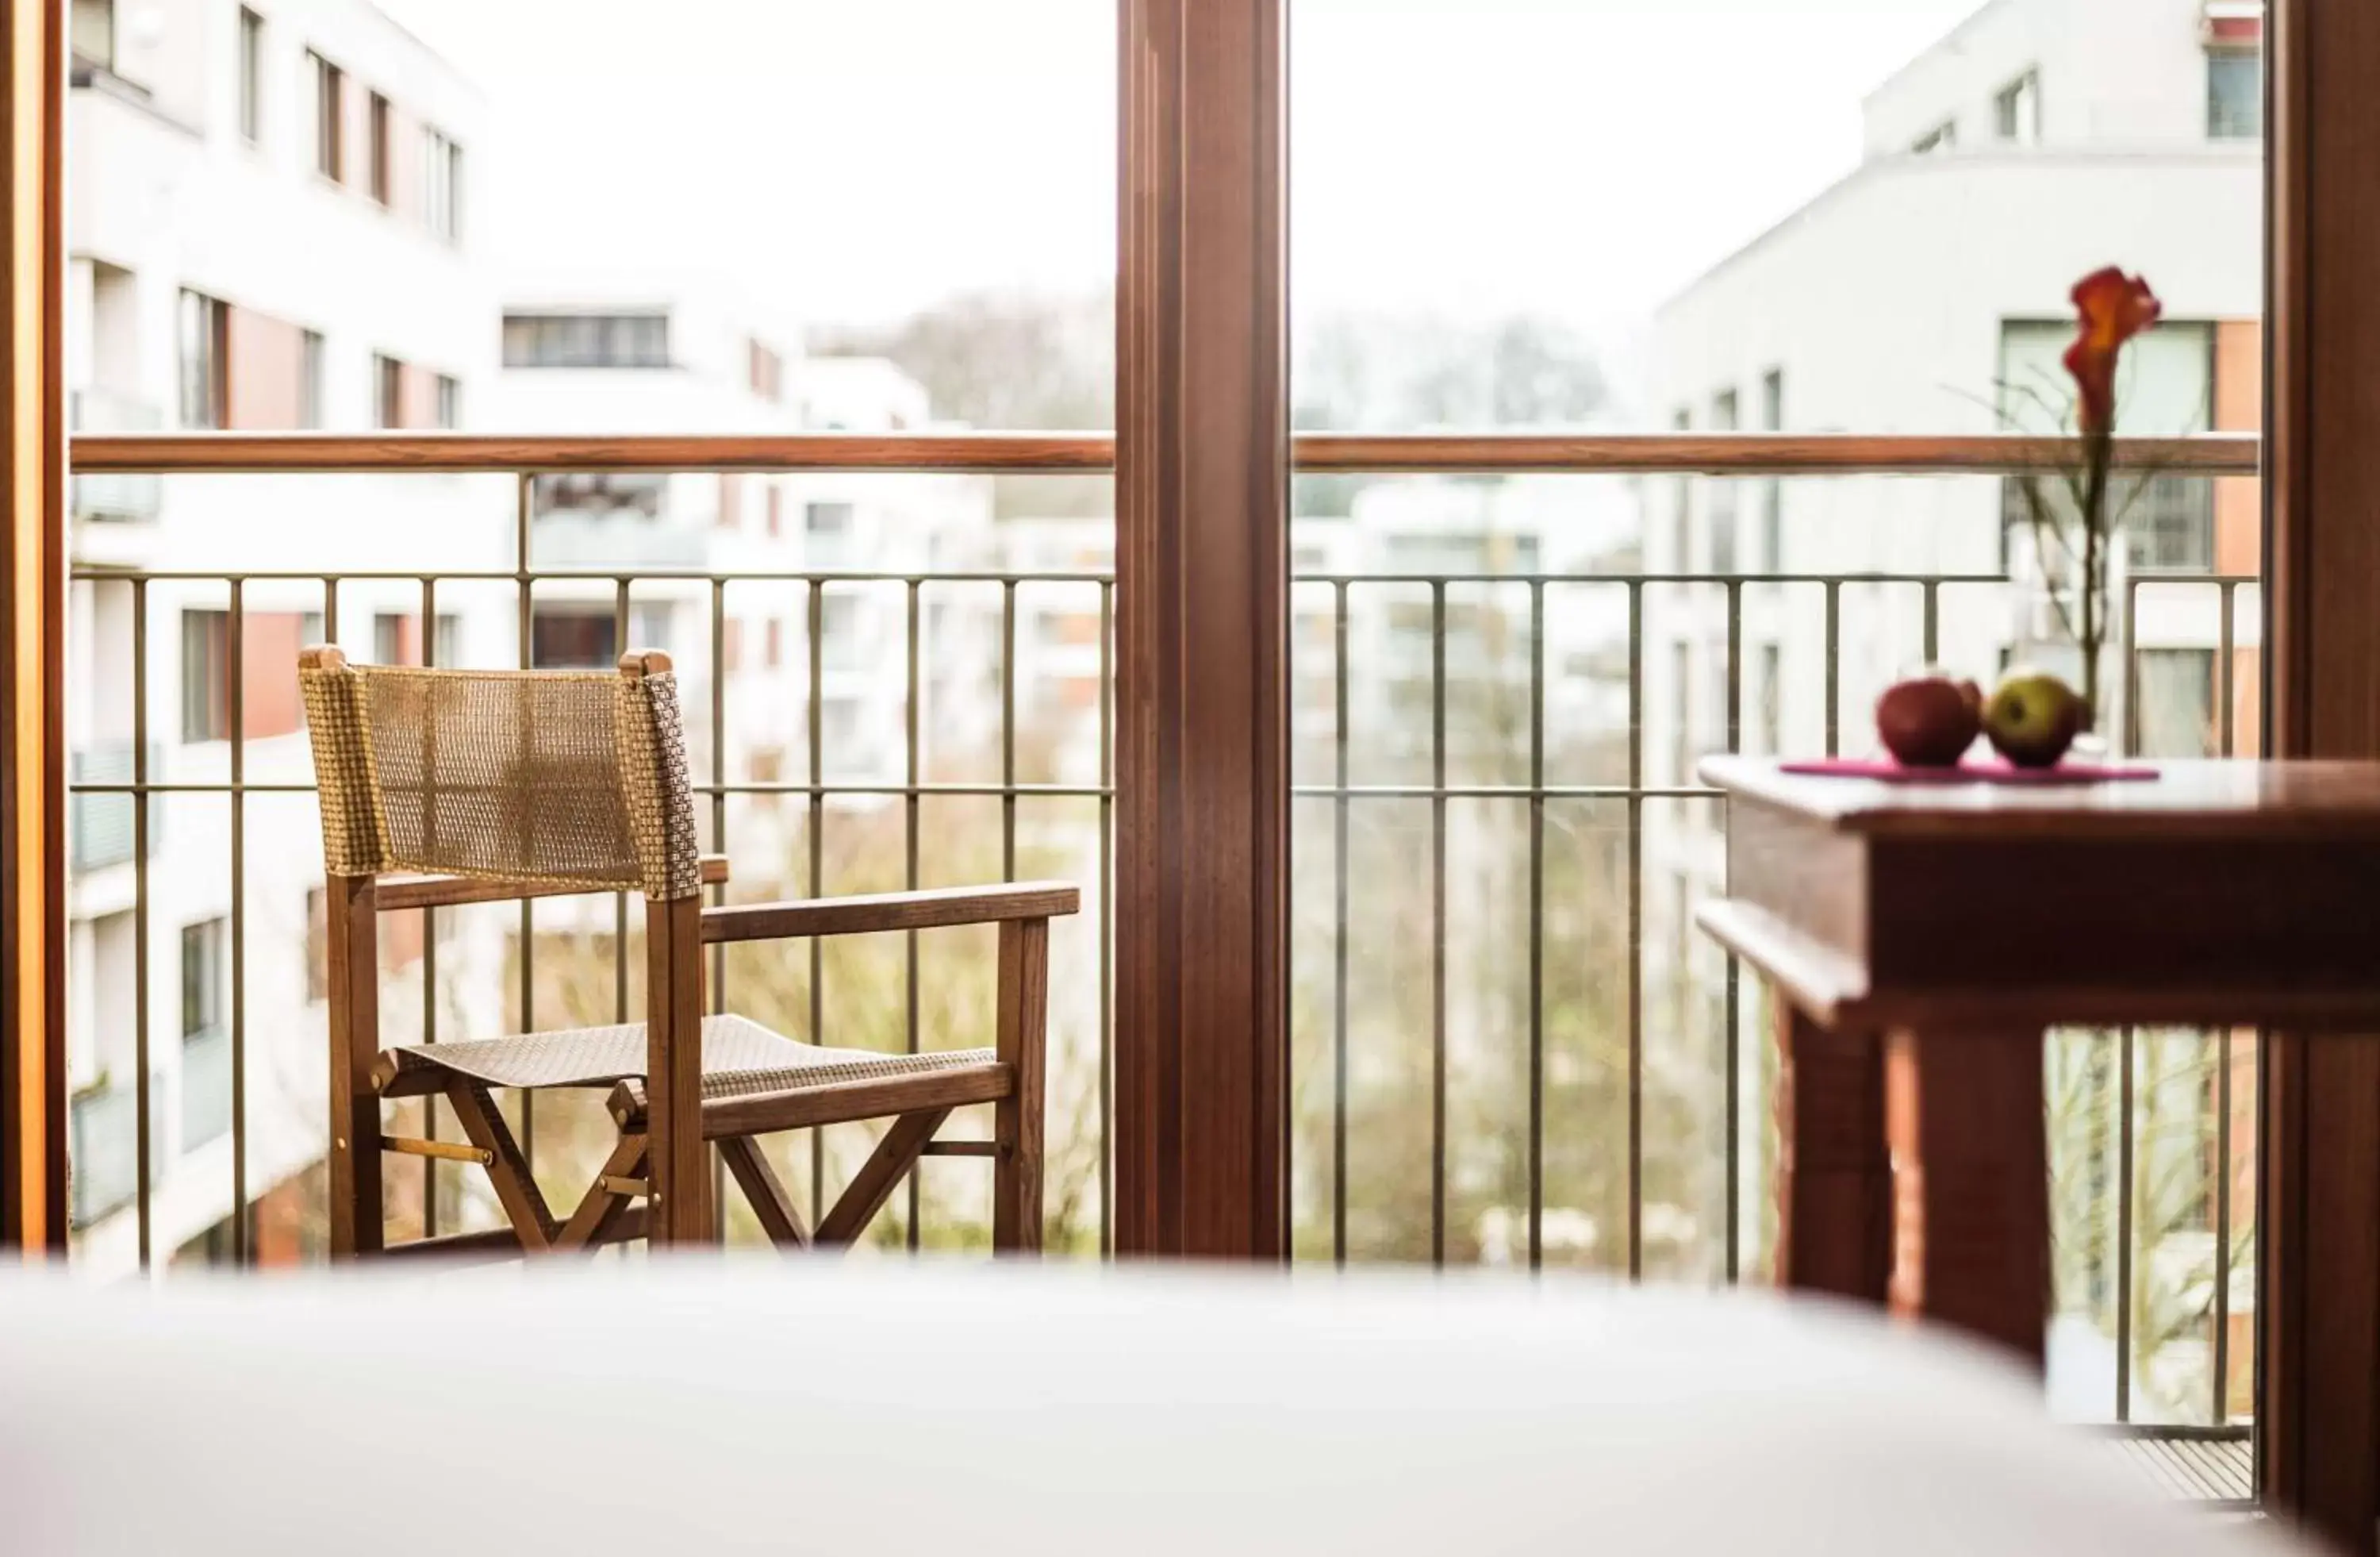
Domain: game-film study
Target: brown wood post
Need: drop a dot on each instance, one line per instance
(1017, 1119)
(1202, 581)
(32, 642)
(680, 1168)
(1834, 1181)
(350, 933)
(2318, 1229)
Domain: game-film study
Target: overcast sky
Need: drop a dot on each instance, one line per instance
(856, 159)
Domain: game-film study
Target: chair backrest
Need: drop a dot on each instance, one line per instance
(562, 778)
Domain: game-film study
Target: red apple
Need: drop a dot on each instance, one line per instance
(1929, 720)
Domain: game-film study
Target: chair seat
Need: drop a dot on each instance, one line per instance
(740, 1058)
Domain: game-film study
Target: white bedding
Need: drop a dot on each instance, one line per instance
(802, 1407)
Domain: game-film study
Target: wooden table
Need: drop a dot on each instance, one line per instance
(1923, 939)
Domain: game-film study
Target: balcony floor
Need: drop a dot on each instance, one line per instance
(2219, 1472)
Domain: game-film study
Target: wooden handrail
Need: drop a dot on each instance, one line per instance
(932, 908)
(1740, 453)
(465, 453)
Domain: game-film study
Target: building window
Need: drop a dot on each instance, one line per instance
(776, 511)
(767, 373)
(1941, 137)
(587, 340)
(600, 491)
(396, 640)
(441, 185)
(2172, 528)
(574, 640)
(388, 392)
(252, 76)
(1724, 418)
(309, 381)
(1772, 489)
(203, 976)
(827, 521)
(330, 115)
(206, 676)
(2235, 95)
(376, 147)
(91, 32)
(2016, 111)
(450, 402)
(776, 644)
(206, 356)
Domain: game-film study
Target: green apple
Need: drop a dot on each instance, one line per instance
(2033, 719)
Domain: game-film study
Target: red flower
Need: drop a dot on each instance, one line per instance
(2113, 308)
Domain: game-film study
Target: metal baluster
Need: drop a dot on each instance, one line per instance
(718, 842)
(1107, 916)
(1834, 666)
(144, 1095)
(238, 700)
(1932, 592)
(2223, 669)
(620, 899)
(2133, 737)
(817, 603)
(1339, 947)
(1635, 929)
(1007, 734)
(1008, 729)
(1731, 1010)
(2227, 746)
(2124, 1210)
(524, 492)
(1438, 921)
(430, 934)
(1537, 924)
(2222, 1404)
(909, 868)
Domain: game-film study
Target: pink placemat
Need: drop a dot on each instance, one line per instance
(1993, 770)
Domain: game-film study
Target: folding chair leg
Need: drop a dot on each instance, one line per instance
(600, 1211)
(872, 1185)
(764, 1191)
(1023, 1036)
(516, 1188)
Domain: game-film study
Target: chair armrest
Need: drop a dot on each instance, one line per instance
(891, 910)
(394, 893)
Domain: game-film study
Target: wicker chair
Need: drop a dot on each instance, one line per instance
(486, 786)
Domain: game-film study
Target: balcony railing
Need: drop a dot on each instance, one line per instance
(1601, 1103)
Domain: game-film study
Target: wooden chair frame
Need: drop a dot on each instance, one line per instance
(657, 1181)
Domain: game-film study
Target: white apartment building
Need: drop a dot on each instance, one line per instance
(1927, 293)
(719, 565)
(270, 226)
